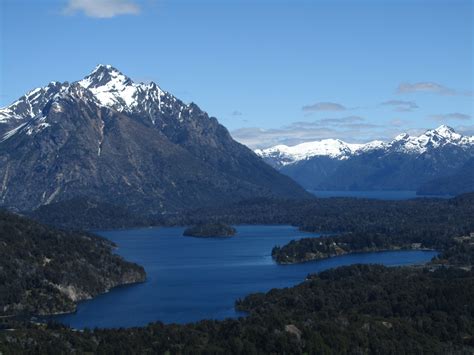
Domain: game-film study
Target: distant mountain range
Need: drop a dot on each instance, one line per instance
(432, 163)
(127, 144)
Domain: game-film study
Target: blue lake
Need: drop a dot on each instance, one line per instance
(190, 279)
(377, 195)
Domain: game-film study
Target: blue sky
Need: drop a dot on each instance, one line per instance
(270, 71)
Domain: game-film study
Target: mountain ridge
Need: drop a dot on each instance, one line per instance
(336, 148)
(126, 144)
(405, 163)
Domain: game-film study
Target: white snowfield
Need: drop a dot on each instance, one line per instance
(336, 149)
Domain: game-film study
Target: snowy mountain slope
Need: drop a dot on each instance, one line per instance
(333, 148)
(109, 88)
(405, 163)
(282, 155)
(431, 139)
(115, 90)
(30, 104)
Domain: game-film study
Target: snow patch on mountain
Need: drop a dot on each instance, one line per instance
(106, 86)
(12, 132)
(29, 105)
(333, 148)
(431, 139)
(115, 90)
(282, 155)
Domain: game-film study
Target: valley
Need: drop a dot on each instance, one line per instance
(143, 171)
(328, 310)
(236, 177)
(182, 274)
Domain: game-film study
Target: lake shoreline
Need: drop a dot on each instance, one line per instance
(182, 274)
(367, 251)
(391, 195)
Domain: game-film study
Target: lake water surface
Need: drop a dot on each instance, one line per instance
(375, 194)
(190, 279)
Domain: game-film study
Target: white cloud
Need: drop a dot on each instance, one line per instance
(102, 8)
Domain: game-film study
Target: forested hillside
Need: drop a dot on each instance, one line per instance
(46, 271)
(353, 310)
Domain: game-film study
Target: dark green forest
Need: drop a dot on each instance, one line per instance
(359, 309)
(45, 270)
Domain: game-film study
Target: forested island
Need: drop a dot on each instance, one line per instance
(210, 230)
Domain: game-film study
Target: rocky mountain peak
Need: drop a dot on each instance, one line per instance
(126, 143)
(444, 131)
(115, 90)
(402, 137)
(105, 75)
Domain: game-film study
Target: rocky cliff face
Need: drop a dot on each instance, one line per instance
(124, 143)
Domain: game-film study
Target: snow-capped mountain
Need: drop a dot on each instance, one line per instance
(281, 155)
(115, 90)
(107, 87)
(124, 143)
(284, 155)
(30, 104)
(431, 139)
(405, 163)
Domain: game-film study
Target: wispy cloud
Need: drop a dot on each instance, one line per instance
(337, 122)
(236, 113)
(350, 128)
(102, 8)
(401, 106)
(429, 87)
(450, 117)
(324, 106)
